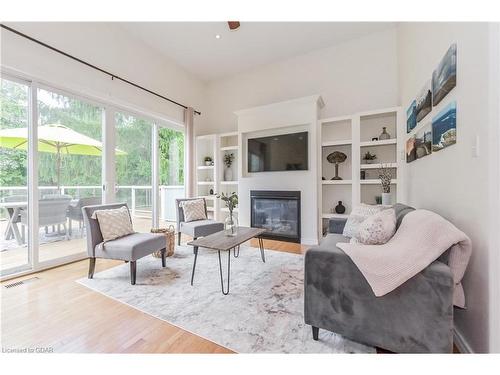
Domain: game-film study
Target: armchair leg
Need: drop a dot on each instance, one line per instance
(133, 269)
(91, 267)
(315, 333)
(179, 238)
(163, 260)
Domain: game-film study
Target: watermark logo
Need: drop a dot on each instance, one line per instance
(36, 350)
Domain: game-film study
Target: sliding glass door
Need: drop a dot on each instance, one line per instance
(53, 165)
(171, 173)
(14, 252)
(134, 138)
(69, 171)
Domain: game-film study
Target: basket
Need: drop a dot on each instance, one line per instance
(169, 238)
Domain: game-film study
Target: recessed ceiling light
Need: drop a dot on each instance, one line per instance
(217, 36)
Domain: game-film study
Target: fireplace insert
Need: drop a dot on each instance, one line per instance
(278, 212)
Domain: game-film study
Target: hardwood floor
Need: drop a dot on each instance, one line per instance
(54, 311)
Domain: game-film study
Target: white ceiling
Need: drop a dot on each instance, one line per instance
(193, 45)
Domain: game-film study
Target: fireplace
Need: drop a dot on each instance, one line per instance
(278, 212)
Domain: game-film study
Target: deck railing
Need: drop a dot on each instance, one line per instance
(139, 197)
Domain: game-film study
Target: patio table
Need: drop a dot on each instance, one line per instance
(12, 230)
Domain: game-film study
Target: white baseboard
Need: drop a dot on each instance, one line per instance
(461, 343)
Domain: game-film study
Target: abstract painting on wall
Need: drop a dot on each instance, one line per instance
(423, 141)
(411, 151)
(424, 101)
(444, 127)
(411, 117)
(444, 77)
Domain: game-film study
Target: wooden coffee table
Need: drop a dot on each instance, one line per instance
(221, 242)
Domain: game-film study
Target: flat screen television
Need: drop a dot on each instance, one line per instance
(286, 152)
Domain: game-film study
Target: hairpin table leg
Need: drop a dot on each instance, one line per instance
(261, 245)
(228, 272)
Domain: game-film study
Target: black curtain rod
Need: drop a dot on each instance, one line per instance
(113, 76)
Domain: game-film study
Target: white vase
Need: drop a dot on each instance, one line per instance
(386, 199)
(228, 174)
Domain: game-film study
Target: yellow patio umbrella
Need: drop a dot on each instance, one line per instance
(56, 139)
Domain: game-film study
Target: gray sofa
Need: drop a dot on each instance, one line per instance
(417, 317)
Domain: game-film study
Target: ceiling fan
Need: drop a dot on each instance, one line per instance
(233, 25)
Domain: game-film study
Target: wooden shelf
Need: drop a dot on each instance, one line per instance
(210, 209)
(208, 197)
(375, 181)
(378, 165)
(205, 167)
(229, 148)
(331, 216)
(344, 142)
(384, 142)
(336, 182)
(229, 182)
(206, 183)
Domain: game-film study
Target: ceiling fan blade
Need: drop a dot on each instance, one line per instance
(233, 25)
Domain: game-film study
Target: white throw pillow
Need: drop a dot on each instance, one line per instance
(114, 223)
(378, 228)
(193, 210)
(358, 215)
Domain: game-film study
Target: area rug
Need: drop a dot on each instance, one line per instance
(263, 312)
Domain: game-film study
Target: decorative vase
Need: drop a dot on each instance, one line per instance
(208, 163)
(386, 199)
(378, 199)
(340, 208)
(231, 225)
(211, 192)
(228, 174)
(384, 134)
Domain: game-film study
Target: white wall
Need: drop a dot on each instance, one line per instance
(453, 182)
(354, 76)
(109, 47)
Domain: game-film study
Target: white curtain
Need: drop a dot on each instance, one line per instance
(189, 164)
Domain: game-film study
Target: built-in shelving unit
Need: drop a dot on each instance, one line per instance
(213, 177)
(228, 182)
(206, 177)
(354, 136)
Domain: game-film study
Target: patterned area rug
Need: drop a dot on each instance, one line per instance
(263, 313)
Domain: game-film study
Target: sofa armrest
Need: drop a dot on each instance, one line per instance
(336, 225)
(415, 317)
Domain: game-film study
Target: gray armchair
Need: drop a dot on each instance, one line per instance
(129, 248)
(416, 317)
(198, 228)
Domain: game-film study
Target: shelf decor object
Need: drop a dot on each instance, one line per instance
(340, 208)
(228, 172)
(385, 180)
(384, 135)
(369, 158)
(336, 158)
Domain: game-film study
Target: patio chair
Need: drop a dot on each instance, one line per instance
(128, 248)
(51, 211)
(198, 228)
(75, 211)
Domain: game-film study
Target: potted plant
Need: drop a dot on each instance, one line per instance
(231, 221)
(369, 157)
(208, 161)
(385, 180)
(228, 172)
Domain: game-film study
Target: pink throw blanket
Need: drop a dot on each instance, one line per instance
(421, 238)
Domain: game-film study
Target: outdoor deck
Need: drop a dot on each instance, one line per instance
(12, 255)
